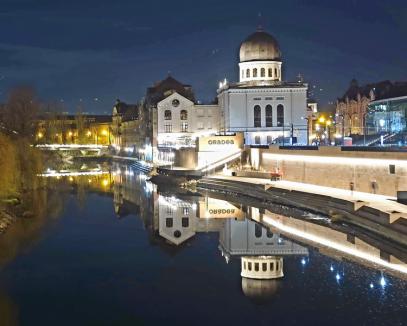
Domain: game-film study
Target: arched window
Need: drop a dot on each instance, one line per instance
(248, 73)
(269, 116)
(263, 72)
(280, 115)
(167, 115)
(270, 72)
(255, 72)
(258, 230)
(257, 116)
(184, 115)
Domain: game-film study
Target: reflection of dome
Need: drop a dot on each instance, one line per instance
(260, 46)
(262, 267)
(260, 291)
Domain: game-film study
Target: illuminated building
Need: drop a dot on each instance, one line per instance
(262, 104)
(126, 127)
(352, 108)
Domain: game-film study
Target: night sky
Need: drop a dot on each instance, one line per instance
(89, 53)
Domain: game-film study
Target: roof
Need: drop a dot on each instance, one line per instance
(128, 112)
(272, 84)
(260, 46)
(381, 90)
(166, 87)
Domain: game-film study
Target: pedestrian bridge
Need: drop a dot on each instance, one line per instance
(84, 149)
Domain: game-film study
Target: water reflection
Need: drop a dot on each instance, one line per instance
(260, 242)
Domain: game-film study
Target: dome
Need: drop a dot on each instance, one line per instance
(260, 291)
(260, 46)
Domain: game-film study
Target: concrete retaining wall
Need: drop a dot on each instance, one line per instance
(380, 172)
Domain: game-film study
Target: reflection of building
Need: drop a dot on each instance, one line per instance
(261, 104)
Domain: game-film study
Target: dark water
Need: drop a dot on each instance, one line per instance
(104, 253)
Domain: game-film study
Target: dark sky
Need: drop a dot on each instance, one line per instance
(91, 52)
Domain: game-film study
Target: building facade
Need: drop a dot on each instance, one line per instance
(352, 108)
(261, 105)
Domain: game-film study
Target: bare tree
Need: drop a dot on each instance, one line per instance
(20, 111)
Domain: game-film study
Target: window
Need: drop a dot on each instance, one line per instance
(269, 234)
(280, 115)
(184, 126)
(269, 116)
(270, 72)
(185, 222)
(269, 140)
(275, 73)
(264, 267)
(244, 265)
(392, 169)
(167, 115)
(277, 266)
(185, 211)
(257, 116)
(255, 72)
(169, 222)
(209, 124)
(257, 99)
(257, 230)
(257, 140)
(184, 115)
(169, 210)
(200, 112)
(271, 266)
(242, 73)
(209, 112)
(167, 128)
(200, 125)
(263, 72)
(256, 267)
(249, 266)
(248, 73)
(268, 98)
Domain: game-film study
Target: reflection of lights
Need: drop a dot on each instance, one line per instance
(71, 179)
(70, 134)
(194, 206)
(383, 282)
(337, 276)
(303, 262)
(279, 240)
(40, 135)
(105, 182)
(331, 268)
(371, 285)
(49, 173)
(89, 180)
(104, 132)
(89, 134)
(334, 245)
(382, 123)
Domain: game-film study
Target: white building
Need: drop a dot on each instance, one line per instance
(180, 121)
(262, 104)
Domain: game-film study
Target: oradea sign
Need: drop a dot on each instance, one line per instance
(213, 208)
(220, 143)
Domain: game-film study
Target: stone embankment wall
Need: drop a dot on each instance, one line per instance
(382, 173)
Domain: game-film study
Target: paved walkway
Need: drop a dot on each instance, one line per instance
(385, 204)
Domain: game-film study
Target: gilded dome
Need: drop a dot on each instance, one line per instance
(260, 46)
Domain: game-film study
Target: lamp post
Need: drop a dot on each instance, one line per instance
(364, 127)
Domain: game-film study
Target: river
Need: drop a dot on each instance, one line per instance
(109, 248)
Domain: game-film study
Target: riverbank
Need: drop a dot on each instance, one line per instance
(377, 214)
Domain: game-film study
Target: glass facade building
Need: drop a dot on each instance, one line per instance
(387, 116)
